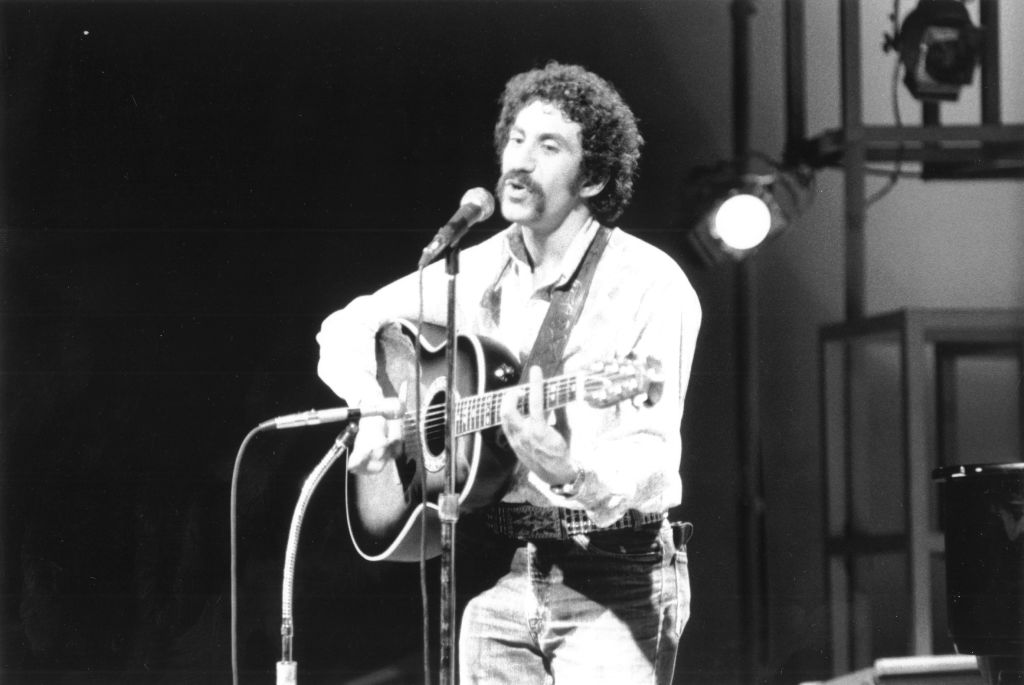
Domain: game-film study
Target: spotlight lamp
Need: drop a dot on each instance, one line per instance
(938, 47)
(738, 216)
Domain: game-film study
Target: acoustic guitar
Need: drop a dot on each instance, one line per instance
(386, 511)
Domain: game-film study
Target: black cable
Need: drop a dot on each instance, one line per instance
(424, 598)
(234, 551)
(897, 170)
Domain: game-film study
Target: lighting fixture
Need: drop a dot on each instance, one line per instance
(938, 48)
(736, 217)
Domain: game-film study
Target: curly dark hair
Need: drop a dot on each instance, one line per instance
(611, 140)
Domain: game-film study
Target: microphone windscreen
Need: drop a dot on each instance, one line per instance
(483, 199)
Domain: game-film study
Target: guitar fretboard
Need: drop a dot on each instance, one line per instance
(609, 386)
(480, 412)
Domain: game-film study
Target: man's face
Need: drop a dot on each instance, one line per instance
(541, 168)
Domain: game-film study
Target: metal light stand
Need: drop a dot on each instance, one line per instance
(449, 499)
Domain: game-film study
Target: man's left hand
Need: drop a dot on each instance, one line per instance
(539, 446)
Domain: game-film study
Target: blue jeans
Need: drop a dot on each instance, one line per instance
(604, 608)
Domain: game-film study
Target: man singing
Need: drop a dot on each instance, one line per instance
(597, 589)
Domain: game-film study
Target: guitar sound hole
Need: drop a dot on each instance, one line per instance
(434, 425)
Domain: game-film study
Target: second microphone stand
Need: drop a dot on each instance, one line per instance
(448, 504)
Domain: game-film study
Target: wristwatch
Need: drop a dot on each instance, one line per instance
(572, 488)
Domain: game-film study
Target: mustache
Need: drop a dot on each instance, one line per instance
(521, 178)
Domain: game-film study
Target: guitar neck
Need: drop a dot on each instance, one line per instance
(481, 412)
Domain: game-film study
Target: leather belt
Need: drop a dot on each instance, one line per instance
(529, 522)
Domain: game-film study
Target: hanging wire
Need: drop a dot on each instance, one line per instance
(422, 468)
(234, 551)
(897, 170)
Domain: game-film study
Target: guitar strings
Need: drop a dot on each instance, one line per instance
(556, 389)
(434, 415)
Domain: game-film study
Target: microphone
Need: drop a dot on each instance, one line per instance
(476, 205)
(389, 408)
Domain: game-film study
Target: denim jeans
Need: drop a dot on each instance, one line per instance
(604, 608)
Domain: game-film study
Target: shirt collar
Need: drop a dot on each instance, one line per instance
(516, 248)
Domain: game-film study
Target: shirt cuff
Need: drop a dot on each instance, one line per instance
(604, 508)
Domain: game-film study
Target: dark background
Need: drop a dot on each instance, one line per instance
(188, 190)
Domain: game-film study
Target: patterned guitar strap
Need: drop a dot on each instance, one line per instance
(563, 312)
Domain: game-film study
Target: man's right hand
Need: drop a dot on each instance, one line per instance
(378, 442)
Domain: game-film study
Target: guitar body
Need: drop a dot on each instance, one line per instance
(385, 511)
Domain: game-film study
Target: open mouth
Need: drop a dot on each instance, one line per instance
(516, 189)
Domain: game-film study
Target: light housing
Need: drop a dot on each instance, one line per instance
(735, 217)
(939, 49)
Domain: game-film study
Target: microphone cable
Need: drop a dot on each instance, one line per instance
(234, 549)
(424, 595)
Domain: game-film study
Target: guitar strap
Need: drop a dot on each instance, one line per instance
(564, 310)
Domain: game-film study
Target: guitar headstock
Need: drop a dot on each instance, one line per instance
(609, 383)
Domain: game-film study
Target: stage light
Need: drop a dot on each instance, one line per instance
(742, 221)
(739, 215)
(938, 48)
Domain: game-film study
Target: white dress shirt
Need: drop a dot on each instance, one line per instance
(640, 302)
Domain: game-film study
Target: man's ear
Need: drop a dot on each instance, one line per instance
(592, 188)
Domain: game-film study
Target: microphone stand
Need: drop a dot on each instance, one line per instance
(449, 499)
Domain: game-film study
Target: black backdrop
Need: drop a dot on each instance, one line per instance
(189, 188)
